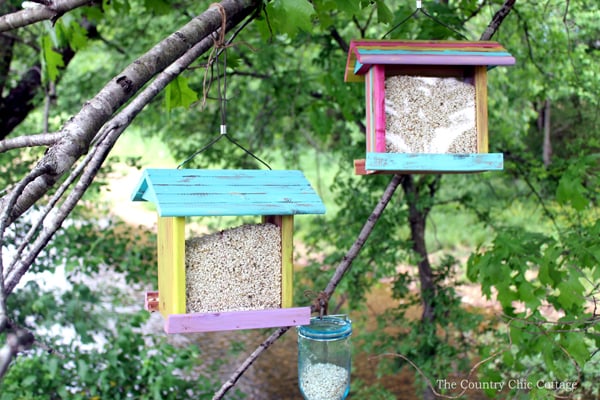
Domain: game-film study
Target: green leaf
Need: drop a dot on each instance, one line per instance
(576, 347)
(571, 291)
(159, 7)
(384, 14)
(28, 380)
(351, 7)
(179, 94)
(82, 369)
(50, 59)
(289, 16)
(571, 191)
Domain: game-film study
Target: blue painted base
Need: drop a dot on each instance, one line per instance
(432, 163)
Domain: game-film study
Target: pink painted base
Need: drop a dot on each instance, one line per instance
(235, 320)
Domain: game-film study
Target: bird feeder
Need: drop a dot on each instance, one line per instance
(242, 277)
(426, 104)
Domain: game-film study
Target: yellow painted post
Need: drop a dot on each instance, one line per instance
(171, 265)
(287, 261)
(481, 115)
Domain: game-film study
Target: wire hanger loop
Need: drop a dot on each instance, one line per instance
(220, 46)
(421, 10)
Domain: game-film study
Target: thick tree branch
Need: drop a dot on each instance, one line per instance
(105, 140)
(340, 271)
(78, 132)
(85, 172)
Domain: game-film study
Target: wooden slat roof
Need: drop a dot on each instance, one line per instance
(194, 192)
(365, 53)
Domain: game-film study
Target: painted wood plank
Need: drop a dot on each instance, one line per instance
(481, 44)
(363, 54)
(236, 320)
(370, 110)
(214, 195)
(151, 301)
(379, 104)
(228, 192)
(220, 209)
(359, 168)
(439, 52)
(171, 265)
(423, 59)
(434, 162)
(287, 261)
(481, 114)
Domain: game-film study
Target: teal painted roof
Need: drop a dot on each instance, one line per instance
(200, 192)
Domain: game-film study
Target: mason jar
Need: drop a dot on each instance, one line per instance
(324, 358)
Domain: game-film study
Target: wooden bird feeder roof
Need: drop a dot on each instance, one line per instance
(193, 192)
(363, 54)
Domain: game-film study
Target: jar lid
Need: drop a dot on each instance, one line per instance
(329, 327)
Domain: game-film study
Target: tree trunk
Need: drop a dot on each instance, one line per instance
(20, 101)
(417, 218)
(418, 210)
(547, 145)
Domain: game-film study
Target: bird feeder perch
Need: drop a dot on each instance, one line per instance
(426, 104)
(276, 196)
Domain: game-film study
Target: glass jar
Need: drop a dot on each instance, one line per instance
(324, 358)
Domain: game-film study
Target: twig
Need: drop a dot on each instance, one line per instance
(44, 139)
(249, 361)
(471, 371)
(497, 20)
(340, 271)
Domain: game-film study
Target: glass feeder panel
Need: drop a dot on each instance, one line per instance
(236, 269)
(429, 115)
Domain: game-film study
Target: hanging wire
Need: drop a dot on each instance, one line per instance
(221, 47)
(420, 9)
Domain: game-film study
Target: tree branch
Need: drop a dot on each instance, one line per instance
(39, 13)
(44, 139)
(340, 271)
(105, 140)
(497, 20)
(78, 132)
(19, 340)
(86, 171)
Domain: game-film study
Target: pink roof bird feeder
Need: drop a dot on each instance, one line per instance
(426, 104)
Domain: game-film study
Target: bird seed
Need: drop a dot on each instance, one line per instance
(429, 115)
(234, 270)
(323, 381)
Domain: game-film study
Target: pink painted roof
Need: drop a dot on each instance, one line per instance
(363, 54)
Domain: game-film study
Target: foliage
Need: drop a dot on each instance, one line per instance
(81, 299)
(129, 365)
(547, 284)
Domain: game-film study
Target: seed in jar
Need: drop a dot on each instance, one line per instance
(323, 381)
(234, 270)
(429, 115)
